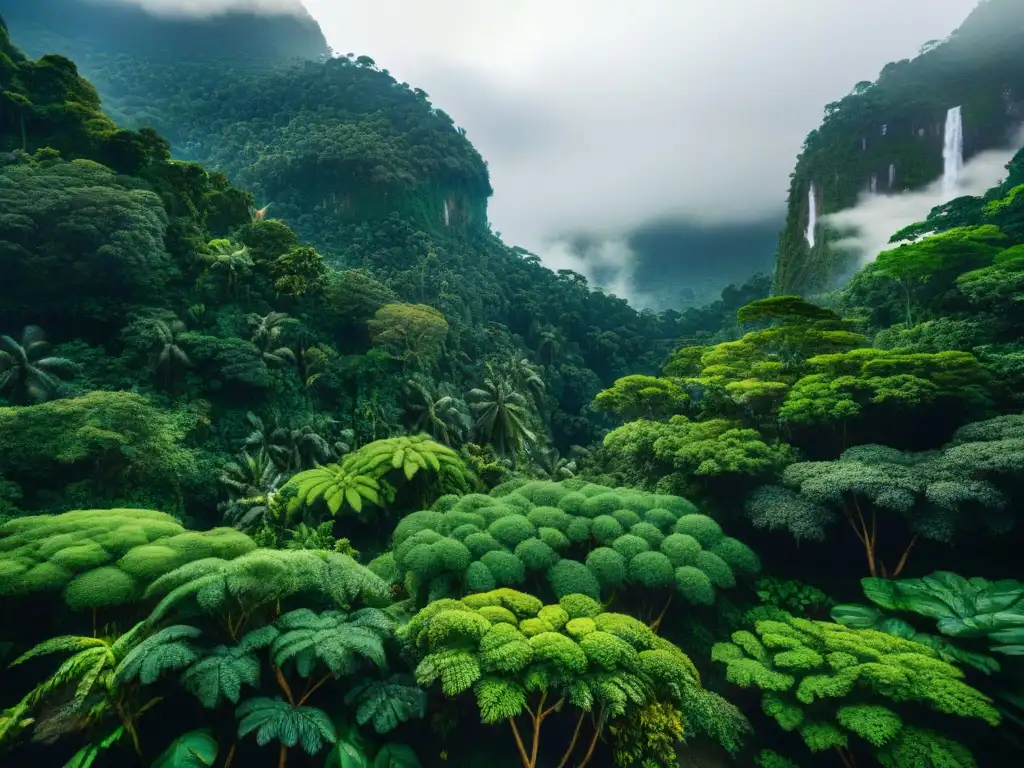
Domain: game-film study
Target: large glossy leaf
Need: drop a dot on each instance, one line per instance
(856, 616)
(396, 756)
(349, 751)
(195, 749)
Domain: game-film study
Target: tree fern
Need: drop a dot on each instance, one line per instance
(264, 577)
(278, 720)
(407, 454)
(329, 638)
(337, 484)
(167, 650)
(220, 674)
(516, 655)
(195, 749)
(387, 703)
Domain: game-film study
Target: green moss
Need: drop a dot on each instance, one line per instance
(680, 548)
(479, 578)
(81, 557)
(606, 529)
(512, 529)
(705, 530)
(629, 546)
(648, 533)
(150, 561)
(549, 517)
(572, 503)
(100, 588)
(716, 569)
(741, 558)
(569, 577)
(555, 539)
(604, 503)
(508, 570)
(651, 570)
(536, 555)
(694, 586)
(663, 519)
(481, 543)
(608, 566)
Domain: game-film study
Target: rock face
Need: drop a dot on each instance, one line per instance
(887, 136)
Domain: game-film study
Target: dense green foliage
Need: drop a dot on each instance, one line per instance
(419, 496)
(831, 683)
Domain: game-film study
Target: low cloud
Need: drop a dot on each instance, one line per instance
(868, 226)
(210, 7)
(598, 117)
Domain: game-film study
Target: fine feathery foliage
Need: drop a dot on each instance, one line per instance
(516, 655)
(830, 682)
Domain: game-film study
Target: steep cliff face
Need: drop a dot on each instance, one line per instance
(887, 136)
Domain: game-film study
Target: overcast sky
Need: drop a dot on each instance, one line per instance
(597, 116)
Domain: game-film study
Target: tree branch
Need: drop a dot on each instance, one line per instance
(572, 744)
(284, 685)
(519, 743)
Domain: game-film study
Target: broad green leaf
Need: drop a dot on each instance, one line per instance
(195, 749)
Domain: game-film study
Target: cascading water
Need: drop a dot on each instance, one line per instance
(953, 150)
(873, 187)
(812, 216)
(892, 174)
(447, 214)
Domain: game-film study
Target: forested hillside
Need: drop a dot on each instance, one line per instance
(891, 130)
(368, 172)
(396, 495)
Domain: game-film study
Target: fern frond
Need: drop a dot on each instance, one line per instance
(276, 719)
(221, 674)
(167, 650)
(387, 703)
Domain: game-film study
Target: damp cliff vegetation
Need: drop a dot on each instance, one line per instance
(390, 493)
(891, 130)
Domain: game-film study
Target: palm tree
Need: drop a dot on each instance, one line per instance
(501, 414)
(550, 345)
(553, 466)
(27, 372)
(292, 449)
(436, 412)
(523, 375)
(266, 335)
(251, 482)
(298, 448)
(172, 356)
(230, 258)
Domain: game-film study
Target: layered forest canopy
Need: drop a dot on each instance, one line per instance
(892, 130)
(382, 490)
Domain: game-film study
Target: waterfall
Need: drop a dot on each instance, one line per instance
(892, 174)
(953, 150)
(873, 188)
(812, 215)
(447, 214)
